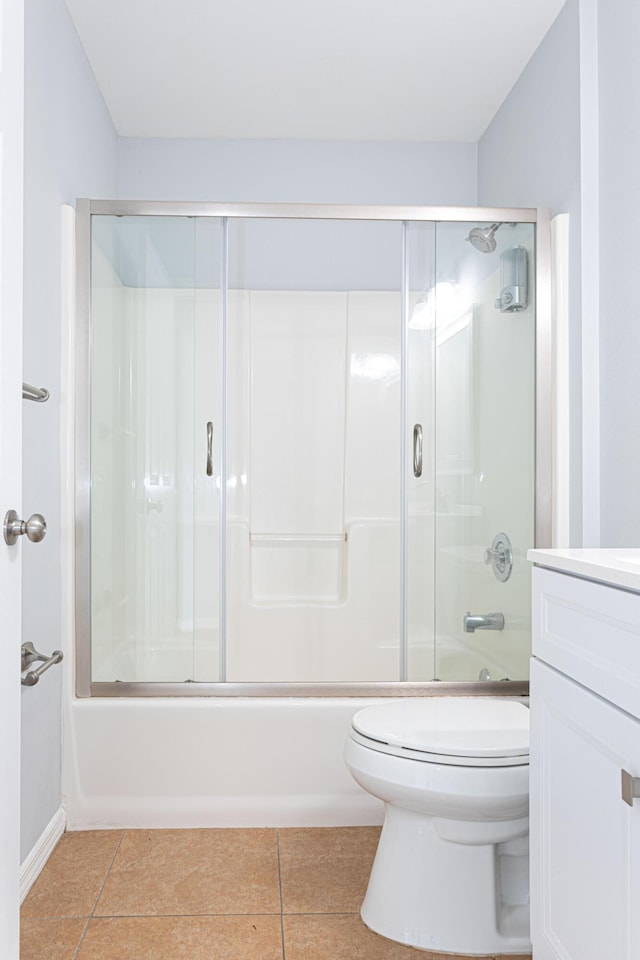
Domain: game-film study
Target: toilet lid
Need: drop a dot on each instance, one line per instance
(449, 726)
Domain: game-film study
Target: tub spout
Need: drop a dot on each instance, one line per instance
(483, 621)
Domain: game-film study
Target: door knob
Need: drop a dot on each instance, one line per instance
(35, 527)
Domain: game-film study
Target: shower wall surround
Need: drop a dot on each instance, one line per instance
(314, 486)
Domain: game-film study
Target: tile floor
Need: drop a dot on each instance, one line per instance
(288, 894)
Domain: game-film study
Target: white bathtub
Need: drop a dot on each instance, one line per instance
(211, 763)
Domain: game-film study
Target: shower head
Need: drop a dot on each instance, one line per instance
(482, 238)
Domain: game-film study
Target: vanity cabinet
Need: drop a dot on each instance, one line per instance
(585, 730)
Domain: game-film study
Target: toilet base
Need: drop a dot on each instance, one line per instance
(444, 896)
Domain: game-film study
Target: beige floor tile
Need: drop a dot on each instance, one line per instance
(179, 872)
(71, 880)
(50, 939)
(183, 938)
(326, 869)
(347, 938)
(341, 938)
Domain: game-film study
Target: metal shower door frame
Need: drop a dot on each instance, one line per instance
(85, 209)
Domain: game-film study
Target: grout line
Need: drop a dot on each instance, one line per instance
(84, 930)
(161, 916)
(106, 876)
(323, 913)
(90, 917)
(284, 955)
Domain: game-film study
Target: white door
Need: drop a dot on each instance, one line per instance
(585, 840)
(11, 202)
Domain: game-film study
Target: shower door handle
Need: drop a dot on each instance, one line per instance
(209, 448)
(417, 450)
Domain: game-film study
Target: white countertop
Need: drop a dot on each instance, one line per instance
(619, 567)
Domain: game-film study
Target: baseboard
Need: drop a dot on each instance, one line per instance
(179, 812)
(42, 850)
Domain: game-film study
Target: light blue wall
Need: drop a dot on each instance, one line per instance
(316, 255)
(298, 171)
(298, 256)
(70, 150)
(619, 110)
(530, 156)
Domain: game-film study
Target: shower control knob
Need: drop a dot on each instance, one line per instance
(35, 527)
(499, 557)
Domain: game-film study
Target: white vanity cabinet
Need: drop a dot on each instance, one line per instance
(585, 731)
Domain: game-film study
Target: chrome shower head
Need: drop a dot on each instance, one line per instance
(482, 238)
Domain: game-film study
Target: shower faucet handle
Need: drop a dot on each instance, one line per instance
(500, 557)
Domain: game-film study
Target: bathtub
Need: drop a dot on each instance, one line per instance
(202, 762)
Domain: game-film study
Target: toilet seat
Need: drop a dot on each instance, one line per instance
(465, 731)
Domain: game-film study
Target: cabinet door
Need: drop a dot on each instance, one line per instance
(585, 840)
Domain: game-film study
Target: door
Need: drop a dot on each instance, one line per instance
(155, 444)
(11, 201)
(585, 840)
(470, 438)
(314, 390)
(484, 356)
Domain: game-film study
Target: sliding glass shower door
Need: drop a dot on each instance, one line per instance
(156, 399)
(311, 451)
(314, 474)
(471, 338)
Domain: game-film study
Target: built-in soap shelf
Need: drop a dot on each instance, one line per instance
(293, 568)
(298, 537)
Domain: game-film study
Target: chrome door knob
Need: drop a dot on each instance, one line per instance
(35, 527)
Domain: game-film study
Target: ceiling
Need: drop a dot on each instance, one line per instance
(408, 70)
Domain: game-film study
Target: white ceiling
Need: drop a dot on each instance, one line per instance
(336, 70)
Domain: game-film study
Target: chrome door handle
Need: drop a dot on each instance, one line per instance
(630, 787)
(30, 655)
(209, 448)
(35, 527)
(417, 450)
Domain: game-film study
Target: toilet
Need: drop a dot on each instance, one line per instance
(451, 873)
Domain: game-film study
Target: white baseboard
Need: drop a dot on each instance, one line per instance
(42, 850)
(180, 813)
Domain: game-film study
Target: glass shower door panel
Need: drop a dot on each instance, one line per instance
(484, 450)
(313, 451)
(151, 279)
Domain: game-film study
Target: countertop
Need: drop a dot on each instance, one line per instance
(618, 567)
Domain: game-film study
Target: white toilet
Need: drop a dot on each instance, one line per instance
(451, 873)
